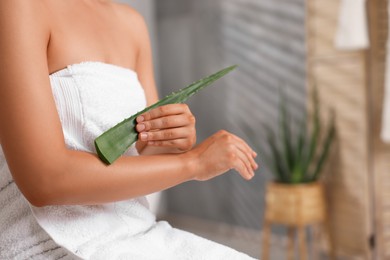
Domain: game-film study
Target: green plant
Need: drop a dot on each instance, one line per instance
(115, 141)
(299, 158)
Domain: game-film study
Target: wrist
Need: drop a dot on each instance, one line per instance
(191, 164)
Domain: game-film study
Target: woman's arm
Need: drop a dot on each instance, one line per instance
(31, 135)
(167, 129)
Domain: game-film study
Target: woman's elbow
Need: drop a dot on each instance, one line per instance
(40, 188)
(38, 201)
(40, 193)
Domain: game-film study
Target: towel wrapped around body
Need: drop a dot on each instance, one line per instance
(90, 98)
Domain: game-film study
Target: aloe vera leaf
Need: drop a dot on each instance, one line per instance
(315, 132)
(301, 139)
(282, 172)
(286, 132)
(296, 175)
(115, 141)
(298, 171)
(325, 150)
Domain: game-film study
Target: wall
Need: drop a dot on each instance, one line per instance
(266, 39)
(147, 9)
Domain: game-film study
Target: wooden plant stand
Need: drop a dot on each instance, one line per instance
(294, 206)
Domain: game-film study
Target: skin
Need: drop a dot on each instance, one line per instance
(41, 37)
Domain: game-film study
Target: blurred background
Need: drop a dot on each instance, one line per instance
(337, 47)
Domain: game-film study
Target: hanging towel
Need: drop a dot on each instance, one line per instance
(385, 134)
(352, 31)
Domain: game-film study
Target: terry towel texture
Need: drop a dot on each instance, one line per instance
(90, 98)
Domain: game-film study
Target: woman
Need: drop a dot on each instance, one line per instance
(69, 71)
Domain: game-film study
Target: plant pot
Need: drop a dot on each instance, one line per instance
(295, 204)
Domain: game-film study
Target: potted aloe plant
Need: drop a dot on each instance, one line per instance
(296, 160)
(296, 197)
(299, 158)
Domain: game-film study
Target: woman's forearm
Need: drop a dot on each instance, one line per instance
(65, 177)
(32, 137)
(84, 179)
(153, 150)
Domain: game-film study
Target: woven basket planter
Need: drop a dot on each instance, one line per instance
(295, 205)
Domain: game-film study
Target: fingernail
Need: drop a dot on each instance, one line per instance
(140, 119)
(254, 154)
(140, 127)
(144, 136)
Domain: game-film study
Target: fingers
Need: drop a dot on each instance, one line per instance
(244, 163)
(241, 155)
(170, 134)
(251, 155)
(180, 138)
(243, 166)
(182, 144)
(166, 122)
(166, 117)
(169, 126)
(163, 111)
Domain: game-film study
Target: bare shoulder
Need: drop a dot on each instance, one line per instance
(19, 14)
(129, 13)
(133, 19)
(23, 9)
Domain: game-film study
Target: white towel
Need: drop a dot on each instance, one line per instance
(385, 133)
(90, 97)
(352, 31)
(20, 235)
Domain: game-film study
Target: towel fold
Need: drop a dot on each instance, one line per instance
(20, 235)
(90, 97)
(352, 31)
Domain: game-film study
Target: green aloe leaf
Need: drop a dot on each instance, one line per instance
(279, 163)
(286, 132)
(115, 141)
(315, 135)
(301, 140)
(299, 171)
(331, 131)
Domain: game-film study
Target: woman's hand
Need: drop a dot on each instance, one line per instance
(221, 152)
(170, 126)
